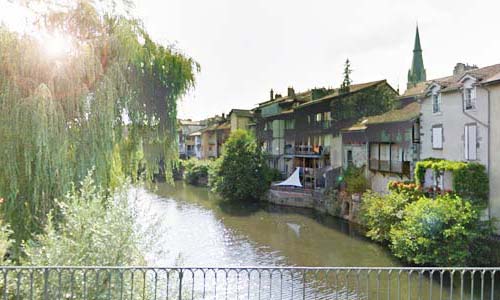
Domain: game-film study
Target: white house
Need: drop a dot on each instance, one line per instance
(454, 116)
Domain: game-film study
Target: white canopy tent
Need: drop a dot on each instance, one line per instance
(293, 180)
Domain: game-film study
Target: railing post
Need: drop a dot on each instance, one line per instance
(180, 283)
(46, 284)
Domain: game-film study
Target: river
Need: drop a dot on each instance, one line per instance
(190, 226)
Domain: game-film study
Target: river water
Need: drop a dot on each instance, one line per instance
(190, 226)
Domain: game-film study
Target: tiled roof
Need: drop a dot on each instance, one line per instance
(493, 78)
(452, 83)
(353, 89)
(418, 89)
(242, 112)
(406, 113)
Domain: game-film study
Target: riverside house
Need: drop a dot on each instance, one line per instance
(492, 86)
(186, 142)
(303, 129)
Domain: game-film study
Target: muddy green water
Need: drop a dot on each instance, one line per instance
(193, 227)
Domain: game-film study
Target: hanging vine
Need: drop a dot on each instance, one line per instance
(95, 107)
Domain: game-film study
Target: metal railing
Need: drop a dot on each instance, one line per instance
(248, 283)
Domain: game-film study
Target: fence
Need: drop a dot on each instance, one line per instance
(248, 283)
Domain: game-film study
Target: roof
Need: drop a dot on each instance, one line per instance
(225, 125)
(416, 90)
(452, 83)
(406, 113)
(196, 133)
(241, 112)
(352, 89)
(189, 122)
(492, 79)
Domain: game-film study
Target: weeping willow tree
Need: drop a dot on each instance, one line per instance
(94, 107)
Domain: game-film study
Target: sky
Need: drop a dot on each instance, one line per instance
(245, 48)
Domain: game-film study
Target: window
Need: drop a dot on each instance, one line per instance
(437, 137)
(290, 124)
(319, 117)
(349, 158)
(469, 96)
(385, 157)
(436, 102)
(470, 142)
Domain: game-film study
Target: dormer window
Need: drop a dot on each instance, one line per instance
(469, 96)
(436, 102)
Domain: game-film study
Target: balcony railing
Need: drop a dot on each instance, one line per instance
(305, 150)
(248, 283)
(390, 166)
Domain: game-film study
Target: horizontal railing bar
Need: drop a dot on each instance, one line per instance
(253, 268)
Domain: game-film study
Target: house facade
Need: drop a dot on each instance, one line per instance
(492, 85)
(185, 141)
(386, 145)
(303, 129)
(454, 116)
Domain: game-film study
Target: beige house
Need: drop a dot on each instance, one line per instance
(240, 119)
(492, 86)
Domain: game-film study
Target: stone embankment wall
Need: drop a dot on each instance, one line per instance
(332, 202)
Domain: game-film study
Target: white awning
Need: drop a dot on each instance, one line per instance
(293, 180)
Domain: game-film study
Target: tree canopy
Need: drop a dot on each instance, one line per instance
(93, 107)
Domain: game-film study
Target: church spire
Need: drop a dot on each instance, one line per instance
(417, 72)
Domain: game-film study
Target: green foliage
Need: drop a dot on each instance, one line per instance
(240, 175)
(355, 180)
(367, 102)
(437, 232)
(62, 116)
(346, 83)
(410, 190)
(94, 230)
(470, 180)
(196, 171)
(380, 212)
(273, 174)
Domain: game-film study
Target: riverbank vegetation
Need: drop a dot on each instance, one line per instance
(241, 173)
(434, 227)
(196, 172)
(93, 106)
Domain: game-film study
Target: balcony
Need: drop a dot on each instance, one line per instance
(305, 150)
(391, 166)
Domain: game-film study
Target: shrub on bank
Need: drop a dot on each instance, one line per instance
(240, 173)
(380, 212)
(355, 180)
(437, 232)
(196, 171)
(94, 230)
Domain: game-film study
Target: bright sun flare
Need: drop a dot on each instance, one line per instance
(57, 45)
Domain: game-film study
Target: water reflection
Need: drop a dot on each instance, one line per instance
(192, 227)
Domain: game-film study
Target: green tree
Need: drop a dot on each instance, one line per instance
(380, 212)
(346, 83)
(241, 173)
(93, 107)
(440, 232)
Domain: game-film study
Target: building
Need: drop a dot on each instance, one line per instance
(386, 145)
(492, 86)
(303, 129)
(455, 111)
(241, 119)
(417, 73)
(213, 137)
(185, 141)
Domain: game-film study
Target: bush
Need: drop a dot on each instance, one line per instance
(379, 213)
(408, 189)
(95, 230)
(437, 232)
(240, 173)
(196, 171)
(355, 180)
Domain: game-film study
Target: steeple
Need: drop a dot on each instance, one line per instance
(417, 72)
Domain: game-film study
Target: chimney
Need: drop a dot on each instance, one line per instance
(461, 68)
(223, 116)
(291, 92)
(272, 94)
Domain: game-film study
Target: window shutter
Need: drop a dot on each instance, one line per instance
(466, 142)
(472, 142)
(439, 102)
(473, 97)
(437, 137)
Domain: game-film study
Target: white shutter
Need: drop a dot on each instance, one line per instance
(466, 142)
(437, 137)
(472, 134)
(473, 97)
